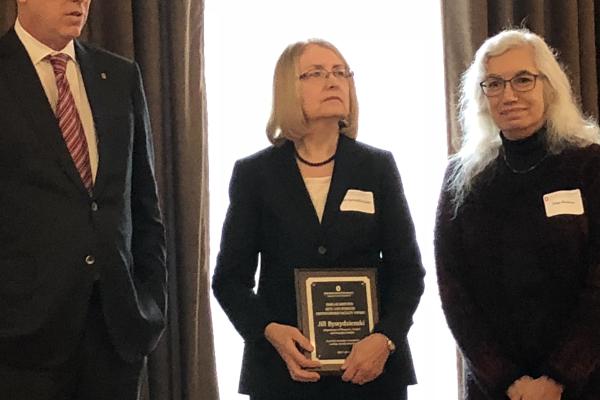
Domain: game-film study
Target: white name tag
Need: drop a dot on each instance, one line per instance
(358, 200)
(563, 202)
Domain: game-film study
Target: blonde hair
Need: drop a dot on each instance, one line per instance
(566, 126)
(287, 120)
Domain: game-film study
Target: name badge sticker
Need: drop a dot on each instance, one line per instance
(358, 200)
(563, 202)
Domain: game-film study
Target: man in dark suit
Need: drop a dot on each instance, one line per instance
(82, 253)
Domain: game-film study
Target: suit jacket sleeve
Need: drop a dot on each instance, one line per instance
(233, 279)
(401, 278)
(578, 353)
(493, 371)
(148, 237)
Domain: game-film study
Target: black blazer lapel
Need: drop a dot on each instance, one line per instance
(346, 159)
(292, 185)
(22, 80)
(96, 88)
(288, 173)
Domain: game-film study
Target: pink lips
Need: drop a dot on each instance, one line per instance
(511, 111)
(332, 98)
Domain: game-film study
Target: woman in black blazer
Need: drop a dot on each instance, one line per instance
(292, 204)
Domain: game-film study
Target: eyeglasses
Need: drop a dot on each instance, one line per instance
(322, 74)
(523, 82)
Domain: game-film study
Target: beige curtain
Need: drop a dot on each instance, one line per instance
(570, 27)
(166, 39)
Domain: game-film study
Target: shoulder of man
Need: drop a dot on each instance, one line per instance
(10, 43)
(101, 55)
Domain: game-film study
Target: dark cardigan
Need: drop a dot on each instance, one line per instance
(520, 290)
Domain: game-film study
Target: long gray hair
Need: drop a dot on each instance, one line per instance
(565, 123)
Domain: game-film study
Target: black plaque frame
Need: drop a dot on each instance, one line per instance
(305, 278)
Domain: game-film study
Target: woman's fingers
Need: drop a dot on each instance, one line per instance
(287, 340)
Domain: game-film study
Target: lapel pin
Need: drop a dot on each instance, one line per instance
(103, 75)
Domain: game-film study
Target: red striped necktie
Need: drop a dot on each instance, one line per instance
(69, 121)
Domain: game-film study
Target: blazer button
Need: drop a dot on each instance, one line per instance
(94, 206)
(90, 260)
(322, 250)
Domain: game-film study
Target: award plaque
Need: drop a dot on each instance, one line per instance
(336, 308)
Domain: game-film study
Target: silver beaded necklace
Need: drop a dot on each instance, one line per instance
(522, 171)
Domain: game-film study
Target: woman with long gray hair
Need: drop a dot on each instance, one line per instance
(518, 228)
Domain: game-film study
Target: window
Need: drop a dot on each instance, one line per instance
(395, 50)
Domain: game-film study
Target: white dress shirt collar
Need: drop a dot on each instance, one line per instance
(37, 50)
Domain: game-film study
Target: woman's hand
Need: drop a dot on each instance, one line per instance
(286, 340)
(516, 390)
(542, 388)
(366, 360)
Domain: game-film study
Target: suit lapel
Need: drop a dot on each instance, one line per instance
(22, 80)
(291, 182)
(345, 161)
(96, 89)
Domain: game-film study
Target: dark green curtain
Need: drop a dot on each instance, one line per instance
(570, 27)
(166, 39)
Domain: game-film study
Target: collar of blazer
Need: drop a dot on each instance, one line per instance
(347, 159)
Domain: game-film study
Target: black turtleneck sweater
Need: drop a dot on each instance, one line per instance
(523, 156)
(521, 290)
